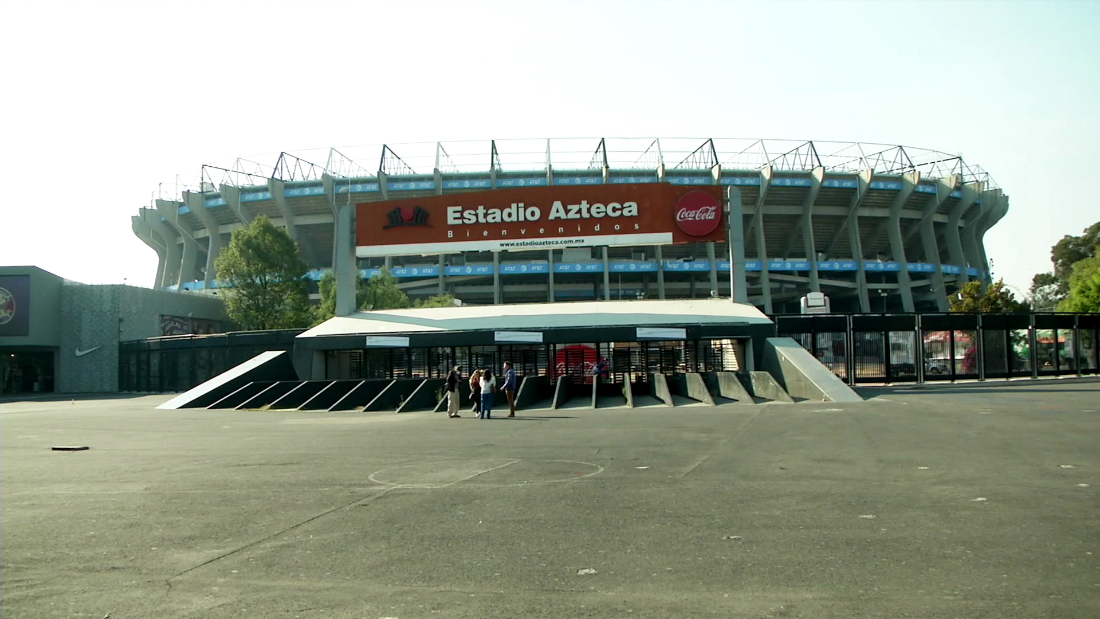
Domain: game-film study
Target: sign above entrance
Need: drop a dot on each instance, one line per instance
(517, 337)
(661, 333)
(387, 341)
(531, 218)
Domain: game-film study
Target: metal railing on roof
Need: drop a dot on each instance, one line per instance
(541, 155)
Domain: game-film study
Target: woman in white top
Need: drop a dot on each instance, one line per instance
(488, 387)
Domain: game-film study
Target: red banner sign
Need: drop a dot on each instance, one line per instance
(540, 218)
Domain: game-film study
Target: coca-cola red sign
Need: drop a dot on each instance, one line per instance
(698, 213)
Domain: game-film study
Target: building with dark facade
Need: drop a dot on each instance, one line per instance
(60, 336)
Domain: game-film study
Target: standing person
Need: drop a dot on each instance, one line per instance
(475, 391)
(488, 389)
(602, 369)
(510, 387)
(452, 392)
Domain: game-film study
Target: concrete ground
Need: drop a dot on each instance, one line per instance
(944, 501)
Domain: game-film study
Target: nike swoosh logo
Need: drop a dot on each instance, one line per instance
(81, 353)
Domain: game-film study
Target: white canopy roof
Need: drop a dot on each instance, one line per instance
(538, 316)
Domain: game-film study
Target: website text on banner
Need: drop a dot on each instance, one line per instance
(539, 218)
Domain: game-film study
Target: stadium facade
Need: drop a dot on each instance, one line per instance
(875, 227)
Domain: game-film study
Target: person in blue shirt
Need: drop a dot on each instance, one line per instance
(510, 387)
(488, 390)
(602, 369)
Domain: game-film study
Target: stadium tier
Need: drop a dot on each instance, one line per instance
(874, 227)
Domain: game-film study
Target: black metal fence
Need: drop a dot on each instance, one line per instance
(178, 363)
(617, 361)
(859, 348)
(891, 348)
(181, 362)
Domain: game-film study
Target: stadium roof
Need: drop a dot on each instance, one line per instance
(576, 154)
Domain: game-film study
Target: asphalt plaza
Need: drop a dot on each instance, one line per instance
(948, 501)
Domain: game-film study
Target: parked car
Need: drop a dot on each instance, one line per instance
(937, 366)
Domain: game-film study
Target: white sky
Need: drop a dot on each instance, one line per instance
(102, 101)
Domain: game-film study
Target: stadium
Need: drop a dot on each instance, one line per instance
(877, 228)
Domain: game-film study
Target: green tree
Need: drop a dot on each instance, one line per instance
(1047, 289)
(997, 299)
(261, 273)
(1084, 287)
(439, 300)
(381, 293)
(327, 287)
(326, 309)
(1044, 294)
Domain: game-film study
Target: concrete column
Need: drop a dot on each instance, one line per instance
(232, 197)
(809, 246)
(756, 229)
(496, 278)
(974, 223)
(955, 253)
(344, 261)
(854, 241)
(173, 254)
(606, 275)
(713, 269)
(442, 290)
(329, 185)
(944, 187)
(660, 273)
(550, 276)
(188, 270)
(197, 203)
(344, 267)
(383, 180)
(995, 216)
(278, 194)
(897, 247)
(146, 234)
(739, 288)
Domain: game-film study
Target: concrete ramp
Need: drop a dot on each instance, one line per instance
(659, 389)
(270, 395)
(532, 390)
(330, 395)
(300, 395)
(240, 396)
(360, 395)
(561, 392)
(697, 388)
(801, 375)
(765, 386)
(425, 396)
(727, 385)
(269, 366)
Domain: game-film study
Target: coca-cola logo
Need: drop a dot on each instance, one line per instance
(698, 213)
